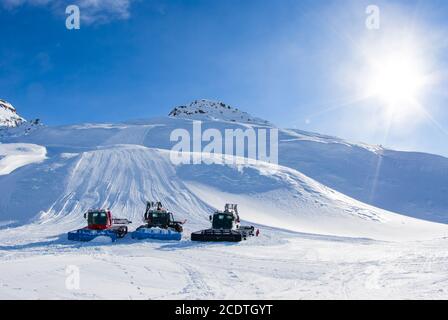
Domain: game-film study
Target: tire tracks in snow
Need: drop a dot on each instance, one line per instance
(196, 287)
(131, 279)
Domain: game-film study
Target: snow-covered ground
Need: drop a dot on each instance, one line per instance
(276, 265)
(315, 242)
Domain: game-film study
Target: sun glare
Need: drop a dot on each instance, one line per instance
(396, 80)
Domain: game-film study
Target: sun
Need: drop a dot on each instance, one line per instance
(396, 79)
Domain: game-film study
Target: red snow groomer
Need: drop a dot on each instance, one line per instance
(100, 224)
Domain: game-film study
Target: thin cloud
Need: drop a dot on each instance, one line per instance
(92, 11)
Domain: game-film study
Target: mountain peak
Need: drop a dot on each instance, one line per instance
(8, 115)
(214, 110)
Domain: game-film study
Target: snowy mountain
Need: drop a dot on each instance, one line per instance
(316, 240)
(412, 184)
(122, 177)
(8, 115)
(12, 124)
(214, 110)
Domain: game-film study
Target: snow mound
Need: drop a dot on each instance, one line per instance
(121, 178)
(8, 115)
(214, 110)
(16, 155)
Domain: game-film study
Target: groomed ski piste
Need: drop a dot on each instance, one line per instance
(314, 243)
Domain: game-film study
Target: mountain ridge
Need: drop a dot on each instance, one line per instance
(8, 115)
(14, 125)
(204, 109)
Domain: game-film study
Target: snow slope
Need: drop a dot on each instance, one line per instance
(333, 162)
(410, 183)
(315, 241)
(123, 177)
(413, 184)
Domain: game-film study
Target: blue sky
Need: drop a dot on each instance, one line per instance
(300, 64)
